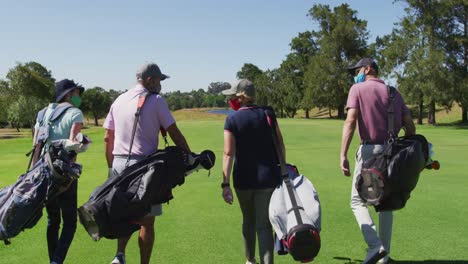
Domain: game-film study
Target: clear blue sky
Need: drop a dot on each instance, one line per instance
(102, 42)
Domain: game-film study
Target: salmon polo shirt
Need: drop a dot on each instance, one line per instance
(370, 98)
(154, 114)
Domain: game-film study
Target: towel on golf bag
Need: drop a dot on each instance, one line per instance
(21, 203)
(113, 207)
(387, 179)
(301, 238)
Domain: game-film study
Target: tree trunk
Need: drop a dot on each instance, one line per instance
(341, 111)
(431, 115)
(17, 126)
(96, 121)
(307, 113)
(329, 112)
(420, 112)
(464, 113)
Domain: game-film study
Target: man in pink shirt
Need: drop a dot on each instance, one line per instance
(119, 122)
(367, 107)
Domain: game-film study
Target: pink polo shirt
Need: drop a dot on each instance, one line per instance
(371, 99)
(154, 114)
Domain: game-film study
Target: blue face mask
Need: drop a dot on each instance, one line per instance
(359, 78)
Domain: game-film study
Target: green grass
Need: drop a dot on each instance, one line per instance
(198, 227)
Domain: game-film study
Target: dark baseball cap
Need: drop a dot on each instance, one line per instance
(364, 62)
(65, 86)
(150, 70)
(242, 86)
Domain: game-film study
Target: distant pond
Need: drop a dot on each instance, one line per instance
(221, 111)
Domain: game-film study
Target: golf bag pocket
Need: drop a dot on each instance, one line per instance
(370, 183)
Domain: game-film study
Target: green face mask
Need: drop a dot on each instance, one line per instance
(76, 101)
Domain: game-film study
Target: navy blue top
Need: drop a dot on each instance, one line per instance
(256, 163)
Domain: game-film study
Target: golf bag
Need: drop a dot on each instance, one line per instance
(387, 179)
(302, 240)
(21, 203)
(113, 208)
(294, 209)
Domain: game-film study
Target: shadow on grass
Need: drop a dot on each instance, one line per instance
(347, 260)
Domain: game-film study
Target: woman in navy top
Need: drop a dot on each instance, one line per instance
(248, 142)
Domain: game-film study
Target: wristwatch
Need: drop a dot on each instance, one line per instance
(224, 185)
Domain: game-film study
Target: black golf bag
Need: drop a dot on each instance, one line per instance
(21, 204)
(294, 209)
(387, 179)
(113, 208)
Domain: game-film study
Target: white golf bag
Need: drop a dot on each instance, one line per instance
(294, 208)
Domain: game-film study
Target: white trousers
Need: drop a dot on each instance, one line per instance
(360, 210)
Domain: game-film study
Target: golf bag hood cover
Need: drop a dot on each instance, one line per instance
(301, 238)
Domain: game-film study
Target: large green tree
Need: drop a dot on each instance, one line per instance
(289, 83)
(303, 48)
(457, 46)
(96, 101)
(340, 40)
(249, 71)
(416, 54)
(30, 87)
(4, 103)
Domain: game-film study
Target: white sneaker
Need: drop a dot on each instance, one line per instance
(384, 260)
(374, 255)
(119, 259)
(251, 262)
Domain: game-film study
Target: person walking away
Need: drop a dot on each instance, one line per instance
(367, 107)
(63, 207)
(248, 143)
(119, 121)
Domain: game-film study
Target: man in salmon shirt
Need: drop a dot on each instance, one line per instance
(367, 107)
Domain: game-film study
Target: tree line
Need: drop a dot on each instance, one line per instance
(29, 87)
(425, 55)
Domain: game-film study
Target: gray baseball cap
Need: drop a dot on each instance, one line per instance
(150, 70)
(242, 86)
(364, 62)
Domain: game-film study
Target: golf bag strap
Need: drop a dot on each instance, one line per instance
(56, 114)
(141, 101)
(391, 111)
(39, 145)
(284, 173)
